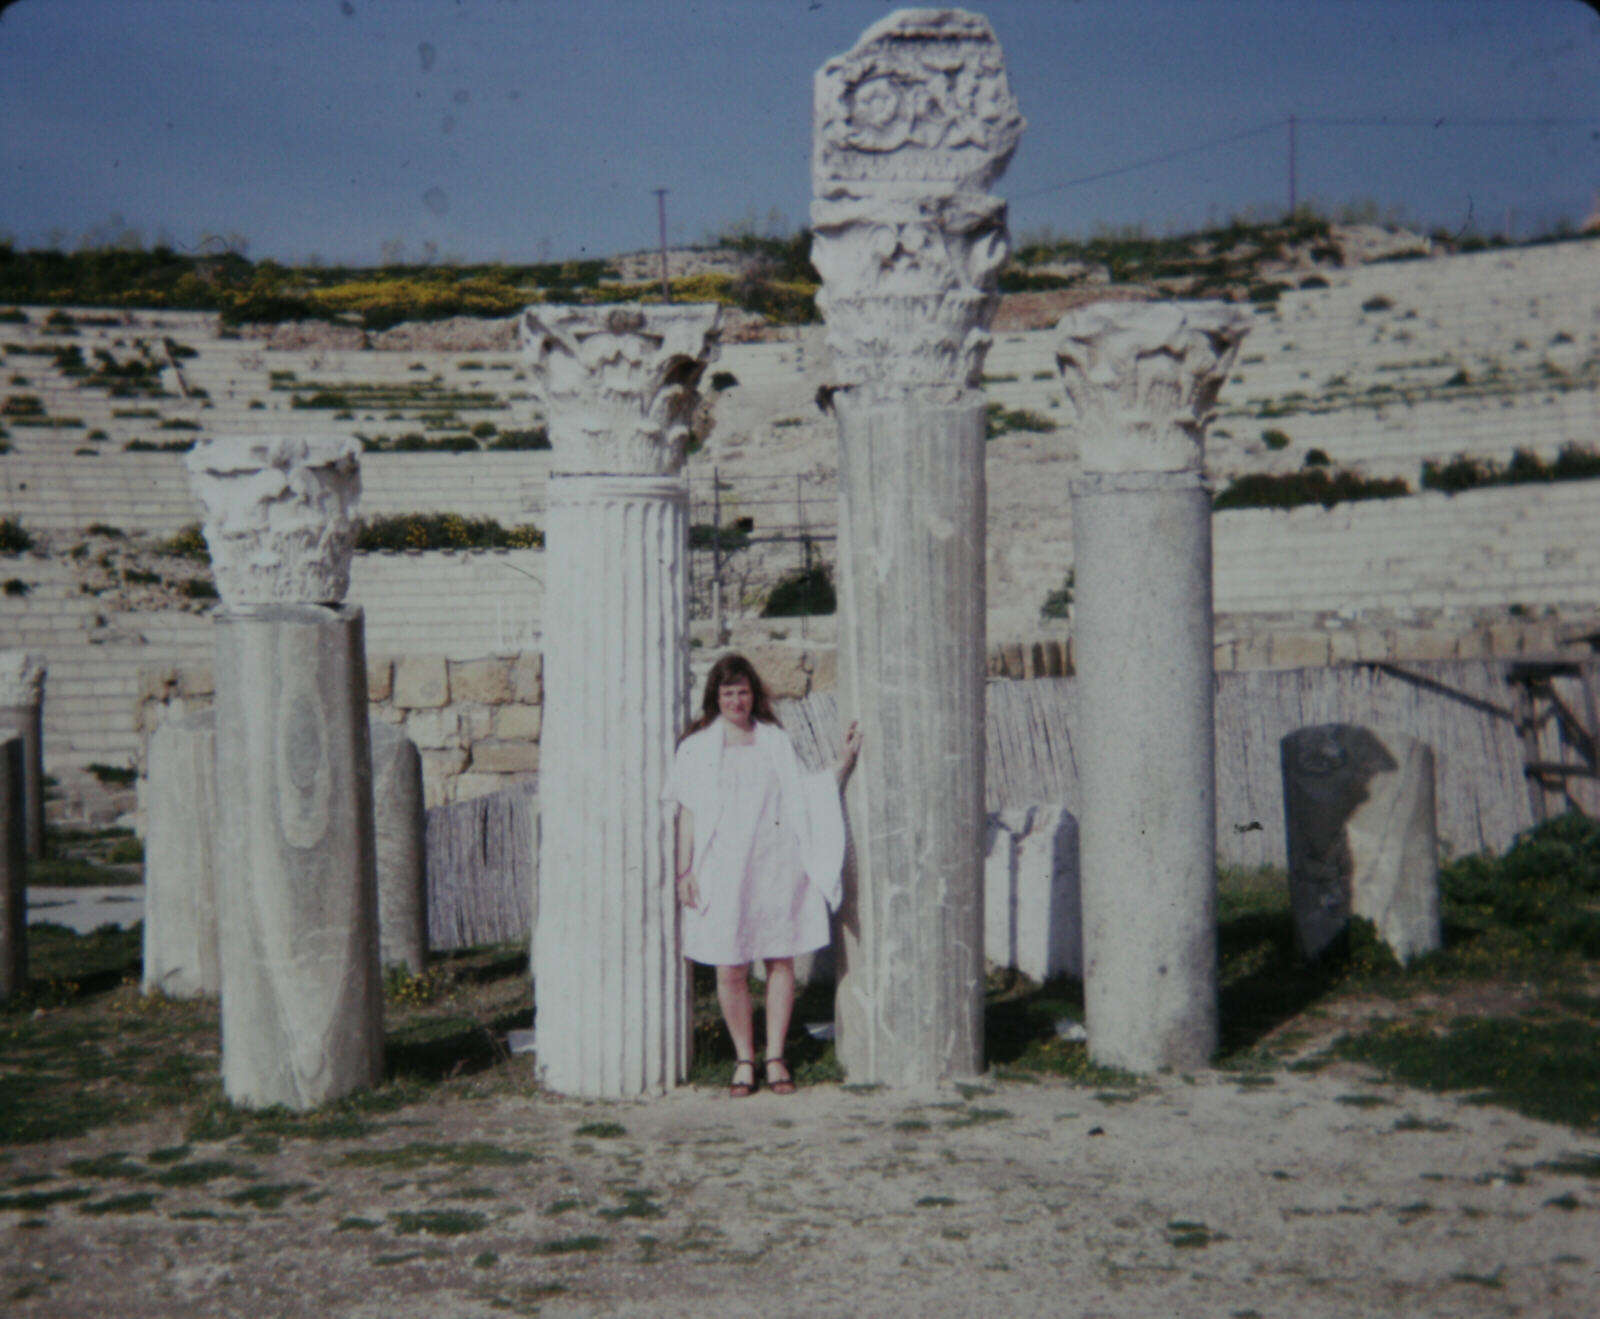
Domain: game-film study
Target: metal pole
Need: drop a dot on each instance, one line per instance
(1292, 180)
(805, 545)
(716, 557)
(661, 214)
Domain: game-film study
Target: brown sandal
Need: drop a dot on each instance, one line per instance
(739, 1089)
(783, 1085)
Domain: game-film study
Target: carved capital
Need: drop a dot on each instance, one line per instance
(618, 382)
(278, 515)
(910, 127)
(21, 679)
(1142, 378)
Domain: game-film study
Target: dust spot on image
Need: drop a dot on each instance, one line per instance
(436, 201)
(427, 53)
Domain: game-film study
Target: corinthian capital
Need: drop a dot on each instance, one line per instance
(278, 515)
(21, 679)
(910, 127)
(1142, 379)
(618, 382)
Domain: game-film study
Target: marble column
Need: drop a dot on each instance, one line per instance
(180, 865)
(22, 713)
(400, 825)
(612, 991)
(302, 1005)
(1141, 381)
(13, 869)
(911, 127)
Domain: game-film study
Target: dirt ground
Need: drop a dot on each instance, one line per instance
(1268, 1194)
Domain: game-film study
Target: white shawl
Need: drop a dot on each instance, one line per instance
(810, 802)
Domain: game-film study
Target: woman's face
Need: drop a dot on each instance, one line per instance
(735, 700)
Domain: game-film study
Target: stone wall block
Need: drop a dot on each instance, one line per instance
(1298, 650)
(13, 867)
(302, 995)
(399, 820)
(421, 682)
(435, 728)
(527, 678)
(1360, 820)
(782, 670)
(825, 670)
(518, 723)
(486, 681)
(380, 679)
(180, 859)
(505, 757)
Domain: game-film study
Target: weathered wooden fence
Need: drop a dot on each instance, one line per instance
(1479, 717)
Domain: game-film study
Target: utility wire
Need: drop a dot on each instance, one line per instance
(1195, 150)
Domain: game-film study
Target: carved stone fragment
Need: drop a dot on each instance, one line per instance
(278, 515)
(22, 713)
(618, 382)
(180, 865)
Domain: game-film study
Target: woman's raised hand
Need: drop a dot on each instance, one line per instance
(688, 890)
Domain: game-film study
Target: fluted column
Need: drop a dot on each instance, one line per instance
(911, 128)
(302, 1005)
(1141, 380)
(612, 990)
(22, 713)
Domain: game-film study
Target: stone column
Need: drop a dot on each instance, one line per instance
(22, 713)
(180, 869)
(613, 991)
(13, 870)
(1359, 817)
(1141, 380)
(302, 1007)
(400, 824)
(911, 127)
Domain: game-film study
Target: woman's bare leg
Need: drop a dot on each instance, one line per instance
(733, 993)
(780, 1003)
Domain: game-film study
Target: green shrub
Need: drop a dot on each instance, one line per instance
(1058, 603)
(180, 424)
(721, 380)
(537, 438)
(1314, 282)
(703, 536)
(1001, 420)
(188, 542)
(484, 430)
(414, 443)
(16, 586)
(22, 405)
(1463, 472)
(197, 588)
(1317, 458)
(13, 316)
(1275, 439)
(120, 775)
(1378, 303)
(1315, 485)
(323, 398)
(806, 591)
(1266, 292)
(13, 539)
(442, 531)
(167, 446)
(139, 577)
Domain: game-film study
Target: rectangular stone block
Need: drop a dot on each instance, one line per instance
(518, 723)
(421, 682)
(1252, 652)
(1298, 650)
(782, 669)
(824, 670)
(468, 787)
(434, 728)
(196, 680)
(505, 757)
(1222, 656)
(1055, 659)
(1540, 637)
(1421, 643)
(380, 679)
(486, 681)
(1505, 639)
(1012, 658)
(1474, 644)
(527, 678)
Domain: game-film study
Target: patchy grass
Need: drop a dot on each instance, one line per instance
(439, 1222)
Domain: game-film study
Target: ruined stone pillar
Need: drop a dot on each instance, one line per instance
(13, 870)
(22, 713)
(911, 128)
(180, 864)
(1141, 380)
(612, 992)
(400, 824)
(302, 1006)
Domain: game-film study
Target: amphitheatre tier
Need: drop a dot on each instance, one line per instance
(1386, 368)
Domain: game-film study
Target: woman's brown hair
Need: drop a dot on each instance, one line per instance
(728, 669)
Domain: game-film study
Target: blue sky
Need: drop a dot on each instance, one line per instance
(536, 129)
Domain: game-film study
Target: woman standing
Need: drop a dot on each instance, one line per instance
(760, 851)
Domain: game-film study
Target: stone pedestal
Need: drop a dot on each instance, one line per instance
(180, 871)
(399, 824)
(613, 989)
(911, 127)
(1359, 817)
(1032, 908)
(22, 712)
(13, 869)
(1141, 380)
(302, 998)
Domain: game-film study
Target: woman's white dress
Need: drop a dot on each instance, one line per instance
(765, 906)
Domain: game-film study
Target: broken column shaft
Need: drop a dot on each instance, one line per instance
(612, 989)
(302, 1000)
(911, 128)
(1141, 380)
(22, 713)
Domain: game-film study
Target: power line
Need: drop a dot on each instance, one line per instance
(1156, 160)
